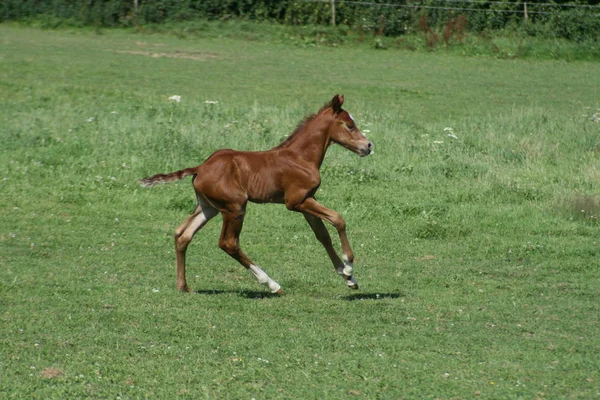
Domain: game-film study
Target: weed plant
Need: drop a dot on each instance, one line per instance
(475, 223)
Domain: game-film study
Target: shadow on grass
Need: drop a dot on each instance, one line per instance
(213, 291)
(259, 295)
(373, 296)
(249, 294)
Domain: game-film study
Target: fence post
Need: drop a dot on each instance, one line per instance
(135, 11)
(525, 10)
(333, 12)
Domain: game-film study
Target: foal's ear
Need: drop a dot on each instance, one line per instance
(336, 103)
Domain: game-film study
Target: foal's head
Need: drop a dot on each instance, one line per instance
(343, 130)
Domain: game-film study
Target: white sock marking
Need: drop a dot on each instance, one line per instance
(347, 272)
(194, 225)
(348, 267)
(351, 282)
(264, 279)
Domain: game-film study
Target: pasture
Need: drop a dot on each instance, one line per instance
(475, 223)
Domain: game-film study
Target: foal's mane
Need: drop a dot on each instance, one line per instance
(302, 125)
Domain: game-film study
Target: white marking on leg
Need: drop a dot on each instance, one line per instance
(347, 273)
(264, 279)
(351, 282)
(348, 267)
(194, 225)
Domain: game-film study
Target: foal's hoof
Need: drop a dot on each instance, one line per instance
(351, 282)
(279, 292)
(185, 289)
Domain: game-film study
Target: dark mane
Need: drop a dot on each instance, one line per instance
(302, 125)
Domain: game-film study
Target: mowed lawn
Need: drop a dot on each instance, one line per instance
(475, 223)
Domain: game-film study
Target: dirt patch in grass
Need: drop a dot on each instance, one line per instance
(198, 56)
(51, 373)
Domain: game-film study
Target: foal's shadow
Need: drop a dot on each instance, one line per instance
(249, 294)
(372, 296)
(212, 291)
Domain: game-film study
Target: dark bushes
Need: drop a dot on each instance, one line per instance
(575, 21)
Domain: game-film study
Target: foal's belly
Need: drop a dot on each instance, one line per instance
(261, 189)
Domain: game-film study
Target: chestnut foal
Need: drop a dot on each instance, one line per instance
(288, 173)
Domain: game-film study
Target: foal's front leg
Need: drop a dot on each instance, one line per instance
(315, 212)
(322, 236)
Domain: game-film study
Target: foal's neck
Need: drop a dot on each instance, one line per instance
(312, 141)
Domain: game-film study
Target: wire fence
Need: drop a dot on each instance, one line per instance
(572, 21)
(525, 8)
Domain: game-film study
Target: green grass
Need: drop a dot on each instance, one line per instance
(515, 42)
(477, 256)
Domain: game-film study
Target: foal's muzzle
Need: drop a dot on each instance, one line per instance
(366, 150)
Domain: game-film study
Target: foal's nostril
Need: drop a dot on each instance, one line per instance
(370, 146)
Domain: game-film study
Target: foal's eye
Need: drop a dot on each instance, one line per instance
(351, 127)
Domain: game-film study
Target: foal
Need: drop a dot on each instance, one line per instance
(288, 173)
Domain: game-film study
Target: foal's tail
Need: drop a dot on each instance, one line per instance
(166, 178)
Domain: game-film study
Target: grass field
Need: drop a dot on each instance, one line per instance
(475, 224)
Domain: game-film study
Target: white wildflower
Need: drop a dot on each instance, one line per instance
(450, 132)
(91, 119)
(175, 98)
(211, 102)
(155, 290)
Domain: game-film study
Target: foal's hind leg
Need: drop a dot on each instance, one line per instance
(230, 243)
(184, 234)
